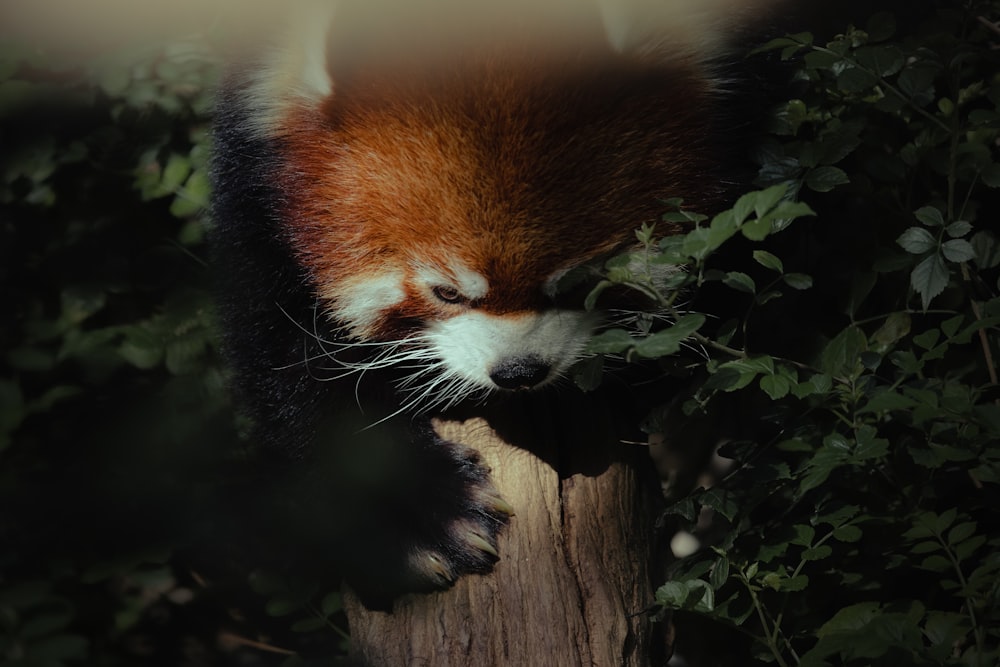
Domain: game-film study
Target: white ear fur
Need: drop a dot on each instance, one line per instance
(292, 70)
(701, 29)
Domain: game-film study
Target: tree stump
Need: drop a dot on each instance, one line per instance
(573, 580)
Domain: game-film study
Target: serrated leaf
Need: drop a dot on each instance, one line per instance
(883, 60)
(671, 595)
(775, 387)
(855, 80)
(804, 535)
(961, 532)
(612, 341)
(917, 241)
(958, 250)
(930, 216)
(842, 353)
(929, 278)
(826, 178)
(887, 401)
(817, 553)
(854, 617)
(793, 584)
(958, 229)
(668, 341)
(768, 198)
(847, 533)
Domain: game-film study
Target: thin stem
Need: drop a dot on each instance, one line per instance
(762, 617)
(888, 86)
(977, 631)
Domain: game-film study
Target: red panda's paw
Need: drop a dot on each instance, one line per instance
(443, 524)
(470, 514)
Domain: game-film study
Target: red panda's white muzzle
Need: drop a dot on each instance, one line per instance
(511, 352)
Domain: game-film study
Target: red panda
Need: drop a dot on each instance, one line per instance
(399, 203)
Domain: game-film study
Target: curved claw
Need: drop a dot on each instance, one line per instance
(480, 542)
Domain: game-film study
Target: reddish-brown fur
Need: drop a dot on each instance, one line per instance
(517, 166)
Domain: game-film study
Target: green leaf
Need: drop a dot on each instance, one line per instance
(883, 60)
(668, 341)
(958, 229)
(767, 199)
(826, 178)
(757, 229)
(740, 282)
(917, 241)
(886, 401)
(869, 446)
(775, 386)
(841, 354)
(855, 80)
(793, 584)
(799, 281)
(332, 603)
(945, 630)
(930, 546)
(282, 605)
(930, 216)
(768, 261)
(854, 617)
(612, 341)
(847, 533)
(961, 532)
(987, 249)
(895, 328)
(958, 250)
(935, 563)
(817, 553)
(591, 301)
(929, 278)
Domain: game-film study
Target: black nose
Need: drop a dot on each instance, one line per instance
(520, 373)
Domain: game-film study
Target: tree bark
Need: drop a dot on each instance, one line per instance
(573, 578)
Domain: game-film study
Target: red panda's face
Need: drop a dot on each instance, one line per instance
(440, 207)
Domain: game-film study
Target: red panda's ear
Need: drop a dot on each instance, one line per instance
(701, 30)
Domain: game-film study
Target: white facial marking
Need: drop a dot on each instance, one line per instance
(359, 302)
(471, 284)
(471, 344)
